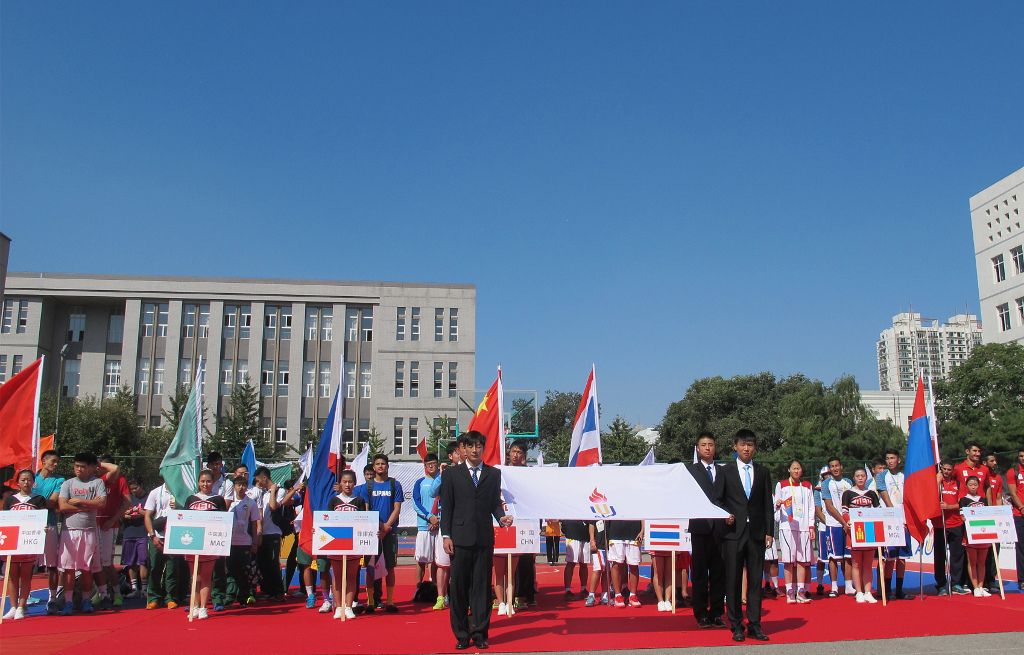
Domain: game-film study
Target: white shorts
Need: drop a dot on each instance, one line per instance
(771, 553)
(796, 546)
(441, 558)
(50, 557)
(624, 551)
(78, 550)
(426, 546)
(577, 552)
(597, 560)
(106, 546)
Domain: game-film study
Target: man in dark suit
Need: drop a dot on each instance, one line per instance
(708, 574)
(470, 495)
(746, 493)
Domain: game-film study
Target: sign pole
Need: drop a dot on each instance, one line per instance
(999, 572)
(673, 591)
(508, 594)
(881, 576)
(192, 599)
(344, 585)
(7, 576)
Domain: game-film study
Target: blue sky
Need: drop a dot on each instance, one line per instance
(670, 190)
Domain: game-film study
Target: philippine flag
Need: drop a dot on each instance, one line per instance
(585, 447)
(920, 489)
(338, 538)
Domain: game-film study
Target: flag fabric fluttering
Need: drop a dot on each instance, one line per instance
(540, 459)
(421, 448)
(324, 469)
(648, 459)
(19, 418)
(933, 421)
(585, 446)
(920, 492)
(45, 443)
(695, 458)
(305, 463)
(361, 460)
(181, 464)
(488, 421)
(249, 459)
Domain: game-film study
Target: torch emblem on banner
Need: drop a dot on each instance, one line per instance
(599, 505)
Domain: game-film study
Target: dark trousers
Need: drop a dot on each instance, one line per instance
(219, 592)
(954, 538)
(470, 589)
(552, 549)
(526, 578)
(237, 575)
(269, 559)
(708, 577)
(166, 575)
(1018, 521)
(740, 553)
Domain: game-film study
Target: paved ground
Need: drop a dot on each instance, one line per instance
(1003, 643)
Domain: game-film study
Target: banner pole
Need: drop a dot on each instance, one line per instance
(881, 577)
(7, 576)
(344, 585)
(509, 598)
(192, 598)
(920, 568)
(999, 572)
(673, 591)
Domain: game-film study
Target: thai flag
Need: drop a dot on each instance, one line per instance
(585, 447)
(324, 471)
(920, 491)
(666, 534)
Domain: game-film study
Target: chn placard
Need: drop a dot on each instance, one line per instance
(521, 537)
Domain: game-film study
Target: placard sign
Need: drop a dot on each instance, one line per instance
(873, 527)
(520, 537)
(667, 535)
(345, 533)
(989, 525)
(22, 532)
(191, 532)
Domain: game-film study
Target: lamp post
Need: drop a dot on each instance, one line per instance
(60, 385)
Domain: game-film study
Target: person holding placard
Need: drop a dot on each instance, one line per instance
(863, 556)
(20, 580)
(794, 512)
(952, 537)
(205, 501)
(345, 502)
(890, 491)
(976, 553)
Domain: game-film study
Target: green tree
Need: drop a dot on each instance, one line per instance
(622, 444)
(241, 423)
(441, 432)
(522, 416)
(375, 441)
(983, 400)
(554, 424)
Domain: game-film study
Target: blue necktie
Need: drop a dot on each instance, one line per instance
(711, 476)
(746, 479)
(476, 479)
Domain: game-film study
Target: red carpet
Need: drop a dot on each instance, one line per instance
(554, 624)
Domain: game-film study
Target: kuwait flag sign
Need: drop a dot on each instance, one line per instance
(667, 535)
(989, 525)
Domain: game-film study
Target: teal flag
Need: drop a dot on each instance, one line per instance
(180, 466)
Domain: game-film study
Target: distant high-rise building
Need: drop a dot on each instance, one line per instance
(999, 256)
(915, 347)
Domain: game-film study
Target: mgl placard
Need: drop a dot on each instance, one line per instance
(345, 533)
(22, 532)
(877, 526)
(191, 532)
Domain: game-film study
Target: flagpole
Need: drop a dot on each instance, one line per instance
(999, 572)
(7, 576)
(673, 590)
(881, 577)
(192, 598)
(344, 585)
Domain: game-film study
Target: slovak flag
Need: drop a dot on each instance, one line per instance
(585, 447)
(920, 491)
(324, 470)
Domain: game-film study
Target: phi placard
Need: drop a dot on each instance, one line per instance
(877, 526)
(520, 537)
(191, 532)
(345, 533)
(22, 532)
(667, 535)
(989, 525)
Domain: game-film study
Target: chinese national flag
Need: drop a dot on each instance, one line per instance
(19, 418)
(421, 449)
(505, 537)
(488, 422)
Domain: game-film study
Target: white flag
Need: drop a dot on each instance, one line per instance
(360, 462)
(305, 463)
(540, 459)
(648, 460)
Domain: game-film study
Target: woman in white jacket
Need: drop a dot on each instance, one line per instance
(794, 512)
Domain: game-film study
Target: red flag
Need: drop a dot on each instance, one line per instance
(45, 443)
(19, 418)
(488, 422)
(421, 448)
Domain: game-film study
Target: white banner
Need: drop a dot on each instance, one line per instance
(22, 532)
(406, 473)
(989, 525)
(345, 533)
(666, 535)
(520, 537)
(661, 491)
(191, 532)
(877, 526)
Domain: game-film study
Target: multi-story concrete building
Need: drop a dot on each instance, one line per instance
(915, 347)
(999, 257)
(5, 249)
(405, 349)
(894, 406)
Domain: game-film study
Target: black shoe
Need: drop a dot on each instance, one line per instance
(717, 622)
(737, 635)
(462, 645)
(820, 591)
(481, 643)
(755, 633)
(704, 623)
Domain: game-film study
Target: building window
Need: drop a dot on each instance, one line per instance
(438, 379)
(368, 324)
(230, 321)
(242, 371)
(453, 378)
(148, 319)
(399, 379)
(325, 379)
(227, 377)
(364, 380)
(286, 322)
(270, 323)
(115, 327)
(414, 431)
(281, 430)
(16, 363)
(195, 320)
(111, 377)
(453, 324)
(1004, 316)
(3, 368)
(351, 324)
(1017, 254)
(346, 433)
(72, 369)
(185, 371)
(154, 421)
(439, 324)
(364, 430)
(308, 379)
(143, 377)
(161, 320)
(998, 268)
(267, 378)
(76, 325)
(312, 323)
(158, 376)
(400, 324)
(23, 316)
(415, 333)
(244, 321)
(1020, 310)
(8, 321)
(204, 321)
(283, 377)
(399, 439)
(326, 324)
(414, 379)
(350, 379)
(265, 428)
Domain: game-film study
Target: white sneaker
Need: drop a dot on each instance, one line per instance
(503, 609)
(349, 614)
(19, 613)
(326, 608)
(338, 613)
(870, 598)
(9, 614)
(201, 613)
(985, 593)
(860, 598)
(977, 592)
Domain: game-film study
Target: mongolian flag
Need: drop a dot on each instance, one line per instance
(920, 489)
